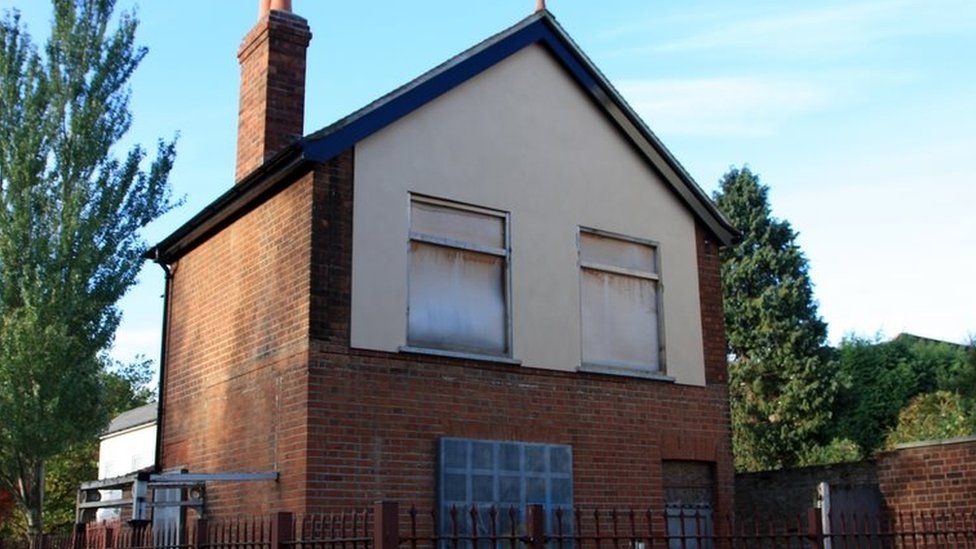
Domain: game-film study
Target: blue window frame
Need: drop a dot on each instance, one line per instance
(505, 474)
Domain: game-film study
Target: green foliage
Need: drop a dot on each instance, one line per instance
(781, 381)
(932, 416)
(127, 386)
(70, 216)
(881, 378)
(839, 450)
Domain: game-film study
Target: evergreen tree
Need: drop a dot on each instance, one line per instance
(781, 382)
(70, 216)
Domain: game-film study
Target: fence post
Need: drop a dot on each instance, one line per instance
(535, 527)
(386, 525)
(282, 530)
(815, 528)
(78, 540)
(108, 537)
(200, 536)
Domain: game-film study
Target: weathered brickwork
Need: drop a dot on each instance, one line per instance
(937, 477)
(712, 311)
(272, 102)
(235, 386)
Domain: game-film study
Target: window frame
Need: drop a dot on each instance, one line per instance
(505, 253)
(611, 367)
(497, 472)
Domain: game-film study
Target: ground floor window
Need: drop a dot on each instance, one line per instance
(689, 498)
(503, 474)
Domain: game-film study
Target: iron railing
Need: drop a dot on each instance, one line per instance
(388, 526)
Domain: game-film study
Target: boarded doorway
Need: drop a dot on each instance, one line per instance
(689, 498)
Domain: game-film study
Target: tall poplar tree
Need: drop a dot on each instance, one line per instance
(781, 382)
(71, 211)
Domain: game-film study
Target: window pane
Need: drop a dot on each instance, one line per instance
(617, 253)
(456, 300)
(550, 482)
(619, 320)
(463, 225)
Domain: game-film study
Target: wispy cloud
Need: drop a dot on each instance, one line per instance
(826, 30)
(723, 106)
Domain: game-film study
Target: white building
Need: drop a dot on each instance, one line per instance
(128, 445)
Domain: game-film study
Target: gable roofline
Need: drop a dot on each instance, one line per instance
(130, 419)
(325, 144)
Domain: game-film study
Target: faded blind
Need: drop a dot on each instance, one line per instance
(614, 252)
(457, 295)
(455, 224)
(620, 317)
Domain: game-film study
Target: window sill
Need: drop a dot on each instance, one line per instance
(625, 371)
(458, 354)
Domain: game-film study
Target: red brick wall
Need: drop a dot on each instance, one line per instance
(712, 312)
(375, 417)
(940, 477)
(236, 367)
(260, 338)
(272, 102)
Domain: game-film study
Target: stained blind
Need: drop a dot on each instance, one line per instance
(619, 293)
(456, 286)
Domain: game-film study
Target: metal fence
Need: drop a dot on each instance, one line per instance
(388, 526)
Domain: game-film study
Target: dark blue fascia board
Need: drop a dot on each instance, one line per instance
(542, 31)
(327, 147)
(329, 142)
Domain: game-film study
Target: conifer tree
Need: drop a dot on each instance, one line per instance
(781, 384)
(71, 211)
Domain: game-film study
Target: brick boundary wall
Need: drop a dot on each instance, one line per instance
(791, 492)
(937, 476)
(924, 477)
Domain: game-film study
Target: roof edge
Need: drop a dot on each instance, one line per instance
(242, 196)
(326, 143)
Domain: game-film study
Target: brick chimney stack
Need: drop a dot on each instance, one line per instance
(272, 103)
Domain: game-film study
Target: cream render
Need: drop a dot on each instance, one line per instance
(521, 138)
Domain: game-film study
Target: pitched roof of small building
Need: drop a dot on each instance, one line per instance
(323, 145)
(132, 418)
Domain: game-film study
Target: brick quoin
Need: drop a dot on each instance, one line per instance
(935, 478)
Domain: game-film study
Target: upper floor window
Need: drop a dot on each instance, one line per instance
(458, 278)
(621, 302)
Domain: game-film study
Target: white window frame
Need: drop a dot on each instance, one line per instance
(610, 367)
(505, 253)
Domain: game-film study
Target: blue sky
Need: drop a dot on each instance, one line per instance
(860, 115)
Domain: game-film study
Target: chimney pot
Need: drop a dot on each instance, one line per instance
(266, 6)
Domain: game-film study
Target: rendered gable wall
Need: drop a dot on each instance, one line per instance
(522, 138)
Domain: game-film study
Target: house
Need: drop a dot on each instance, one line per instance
(493, 284)
(127, 445)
